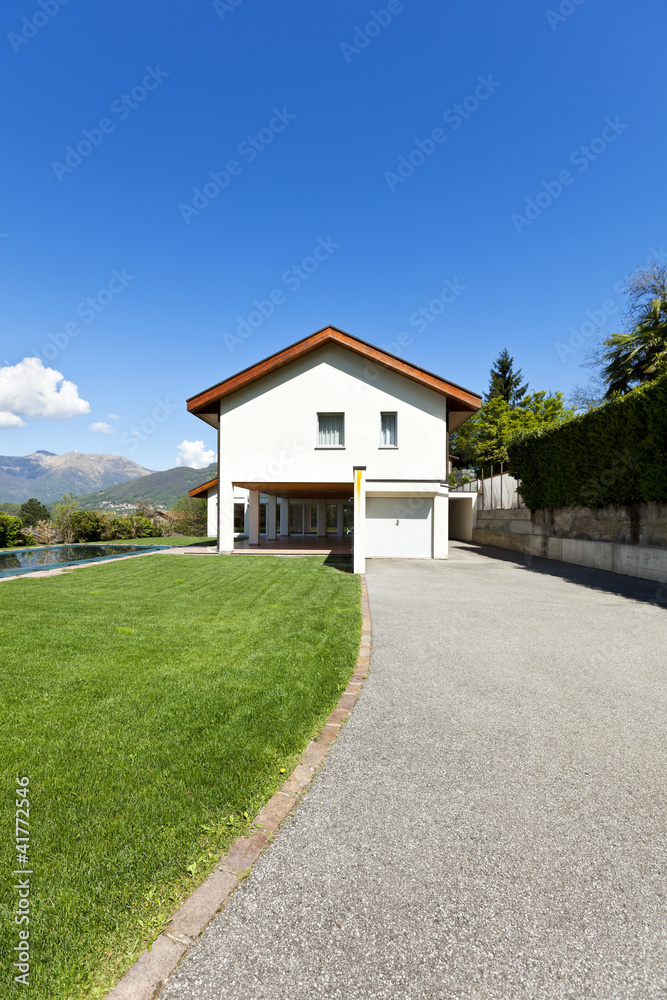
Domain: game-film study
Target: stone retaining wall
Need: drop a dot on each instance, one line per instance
(630, 540)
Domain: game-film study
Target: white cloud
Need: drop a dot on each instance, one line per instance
(194, 454)
(102, 428)
(113, 416)
(10, 419)
(28, 389)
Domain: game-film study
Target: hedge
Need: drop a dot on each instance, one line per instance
(10, 529)
(616, 454)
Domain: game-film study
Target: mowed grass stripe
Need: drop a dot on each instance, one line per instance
(149, 701)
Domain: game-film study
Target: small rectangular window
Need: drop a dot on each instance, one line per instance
(389, 437)
(331, 430)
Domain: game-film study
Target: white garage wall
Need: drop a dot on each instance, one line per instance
(399, 528)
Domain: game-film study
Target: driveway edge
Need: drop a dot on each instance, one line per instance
(152, 969)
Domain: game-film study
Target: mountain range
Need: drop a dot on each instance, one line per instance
(47, 476)
(162, 489)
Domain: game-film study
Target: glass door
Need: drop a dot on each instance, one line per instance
(310, 510)
(296, 519)
(332, 519)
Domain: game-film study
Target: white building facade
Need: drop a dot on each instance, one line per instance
(334, 437)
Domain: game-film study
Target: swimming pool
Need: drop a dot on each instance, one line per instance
(31, 560)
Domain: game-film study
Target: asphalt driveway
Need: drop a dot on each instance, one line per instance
(490, 824)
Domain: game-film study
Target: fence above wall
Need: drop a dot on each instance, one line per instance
(499, 491)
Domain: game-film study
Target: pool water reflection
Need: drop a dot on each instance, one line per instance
(30, 560)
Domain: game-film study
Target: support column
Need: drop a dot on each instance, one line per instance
(271, 518)
(225, 517)
(339, 524)
(253, 518)
(284, 518)
(321, 518)
(359, 558)
(441, 526)
(212, 513)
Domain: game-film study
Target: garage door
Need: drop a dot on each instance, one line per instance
(399, 527)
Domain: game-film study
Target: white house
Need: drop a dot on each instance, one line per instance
(333, 436)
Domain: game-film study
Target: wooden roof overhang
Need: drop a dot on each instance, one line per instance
(461, 403)
(287, 491)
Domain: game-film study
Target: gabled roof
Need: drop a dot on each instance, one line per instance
(205, 404)
(198, 490)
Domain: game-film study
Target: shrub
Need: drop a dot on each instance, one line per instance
(616, 454)
(143, 527)
(10, 529)
(63, 513)
(86, 525)
(189, 517)
(117, 529)
(45, 533)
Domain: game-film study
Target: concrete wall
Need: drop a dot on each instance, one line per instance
(519, 531)
(633, 524)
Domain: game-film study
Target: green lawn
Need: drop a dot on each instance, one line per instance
(166, 540)
(148, 701)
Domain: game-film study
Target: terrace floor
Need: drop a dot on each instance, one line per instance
(296, 545)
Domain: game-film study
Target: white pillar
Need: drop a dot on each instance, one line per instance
(253, 518)
(321, 518)
(284, 518)
(359, 559)
(212, 512)
(441, 526)
(225, 517)
(271, 512)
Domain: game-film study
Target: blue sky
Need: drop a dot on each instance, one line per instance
(512, 225)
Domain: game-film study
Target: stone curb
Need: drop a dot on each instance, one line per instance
(151, 971)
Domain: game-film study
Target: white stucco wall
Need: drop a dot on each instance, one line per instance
(268, 431)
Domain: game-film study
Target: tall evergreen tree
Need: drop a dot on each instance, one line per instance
(33, 511)
(506, 383)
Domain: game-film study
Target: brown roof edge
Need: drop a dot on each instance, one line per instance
(202, 489)
(331, 334)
